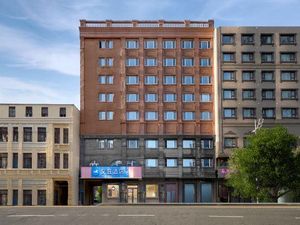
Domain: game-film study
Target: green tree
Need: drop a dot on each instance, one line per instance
(268, 167)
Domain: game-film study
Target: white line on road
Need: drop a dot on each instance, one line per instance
(297, 218)
(30, 215)
(136, 215)
(216, 216)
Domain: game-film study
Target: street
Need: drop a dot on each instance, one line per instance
(151, 214)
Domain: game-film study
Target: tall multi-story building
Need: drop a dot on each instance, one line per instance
(39, 154)
(147, 111)
(258, 71)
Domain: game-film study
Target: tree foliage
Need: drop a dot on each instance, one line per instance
(268, 167)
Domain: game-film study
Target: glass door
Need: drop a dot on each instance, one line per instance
(171, 193)
(132, 195)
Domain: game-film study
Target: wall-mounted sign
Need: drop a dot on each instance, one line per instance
(111, 172)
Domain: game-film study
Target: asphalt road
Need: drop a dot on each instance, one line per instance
(146, 215)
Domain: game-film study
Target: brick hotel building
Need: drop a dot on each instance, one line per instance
(147, 111)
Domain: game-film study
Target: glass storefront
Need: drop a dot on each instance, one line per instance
(206, 192)
(189, 193)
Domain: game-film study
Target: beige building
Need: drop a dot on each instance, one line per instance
(39, 154)
(258, 70)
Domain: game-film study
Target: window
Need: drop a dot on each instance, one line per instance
(187, 62)
(132, 97)
(11, 111)
(151, 80)
(188, 80)
(188, 144)
(267, 76)
(133, 115)
(28, 111)
(3, 160)
(41, 160)
(106, 97)
(62, 112)
(287, 39)
(41, 197)
(132, 44)
(106, 79)
(249, 113)
(169, 44)
(169, 62)
(113, 191)
(188, 116)
(248, 94)
(150, 44)
(266, 39)
(27, 134)
(150, 97)
(268, 94)
(151, 115)
(170, 115)
(289, 94)
(204, 44)
(42, 134)
(187, 44)
(248, 57)
(205, 62)
(268, 113)
(188, 162)
(206, 163)
(56, 135)
(65, 135)
(205, 115)
(65, 160)
(105, 115)
(105, 62)
(228, 76)
(246, 142)
(267, 57)
(15, 197)
(171, 162)
(169, 97)
(3, 197)
(229, 94)
(230, 142)
(132, 62)
(27, 160)
(132, 80)
(27, 197)
(44, 111)
(207, 144)
(151, 191)
(15, 134)
(151, 143)
(56, 160)
(188, 97)
(3, 134)
(151, 163)
(288, 57)
(248, 76)
(247, 39)
(104, 144)
(150, 62)
(15, 163)
(289, 113)
(105, 44)
(169, 80)
(205, 80)
(133, 143)
(228, 39)
(229, 113)
(171, 143)
(228, 57)
(288, 76)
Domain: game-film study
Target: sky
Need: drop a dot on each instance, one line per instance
(39, 39)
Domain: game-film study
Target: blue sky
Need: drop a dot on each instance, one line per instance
(39, 39)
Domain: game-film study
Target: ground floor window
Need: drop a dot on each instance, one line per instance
(112, 191)
(3, 197)
(15, 197)
(27, 197)
(189, 193)
(206, 192)
(151, 191)
(41, 197)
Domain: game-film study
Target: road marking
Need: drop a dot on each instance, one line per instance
(30, 215)
(136, 215)
(297, 218)
(216, 216)
(105, 215)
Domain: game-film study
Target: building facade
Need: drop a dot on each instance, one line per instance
(39, 154)
(147, 111)
(258, 71)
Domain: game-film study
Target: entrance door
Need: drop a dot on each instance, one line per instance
(206, 192)
(61, 193)
(189, 193)
(132, 195)
(171, 193)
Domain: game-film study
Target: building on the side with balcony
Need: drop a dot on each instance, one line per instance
(258, 70)
(39, 154)
(147, 111)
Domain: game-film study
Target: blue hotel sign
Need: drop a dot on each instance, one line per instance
(110, 172)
